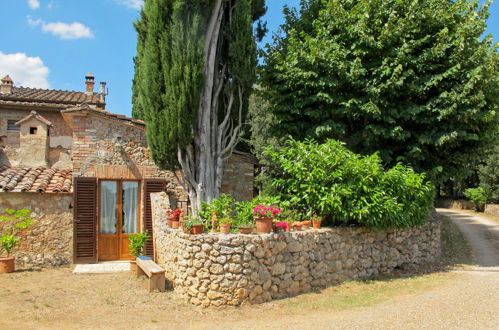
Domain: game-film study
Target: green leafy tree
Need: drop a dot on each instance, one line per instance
(194, 70)
(413, 80)
(488, 173)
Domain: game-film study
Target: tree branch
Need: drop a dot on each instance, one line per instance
(235, 133)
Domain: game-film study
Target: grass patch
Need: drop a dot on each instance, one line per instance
(357, 294)
(456, 251)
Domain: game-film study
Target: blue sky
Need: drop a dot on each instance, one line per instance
(55, 43)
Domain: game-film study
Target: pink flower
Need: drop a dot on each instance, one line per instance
(262, 212)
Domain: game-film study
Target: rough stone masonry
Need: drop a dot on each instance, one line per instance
(215, 269)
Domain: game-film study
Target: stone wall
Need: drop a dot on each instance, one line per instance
(492, 209)
(49, 242)
(216, 269)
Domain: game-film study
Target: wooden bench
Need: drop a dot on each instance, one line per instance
(156, 274)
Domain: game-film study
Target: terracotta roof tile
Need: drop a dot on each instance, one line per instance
(86, 107)
(49, 97)
(40, 179)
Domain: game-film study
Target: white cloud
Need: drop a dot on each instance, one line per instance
(34, 4)
(73, 30)
(132, 4)
(24, 70)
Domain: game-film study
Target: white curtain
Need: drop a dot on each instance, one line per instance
(108, 207)
(130, 203)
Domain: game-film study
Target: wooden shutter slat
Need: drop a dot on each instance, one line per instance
(85, 220)
(150, 186)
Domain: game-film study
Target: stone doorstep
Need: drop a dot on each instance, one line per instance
(103, 267)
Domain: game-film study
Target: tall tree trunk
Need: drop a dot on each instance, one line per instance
(202, 161)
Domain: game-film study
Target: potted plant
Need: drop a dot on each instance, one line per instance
(14, 221)
(137, 244)
(225, 223)
(174, 217)
(296, 226)
(194, 225)
(316, 223)
(244, 217)
(264, 216)
(282, 226)
(305, 225)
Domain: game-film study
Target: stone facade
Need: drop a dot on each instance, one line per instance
(238, 177)
(215, 269)
(49, 242)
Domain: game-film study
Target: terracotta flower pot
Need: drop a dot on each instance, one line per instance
(305, 225)
(169, 222)
(246, 230)
(225, 228)
(133, 267)
(197, 229)
(175, 224)
(297, 227)
(7, 264)
(316, 224)
(263, 225)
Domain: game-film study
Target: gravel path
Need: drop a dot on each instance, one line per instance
(482, 233)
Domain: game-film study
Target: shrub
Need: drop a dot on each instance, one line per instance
(333, 182)
(477, 196)
(14, 221)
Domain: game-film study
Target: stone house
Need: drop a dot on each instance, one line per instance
(85, 173)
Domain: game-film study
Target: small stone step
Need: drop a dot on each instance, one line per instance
(103, 267)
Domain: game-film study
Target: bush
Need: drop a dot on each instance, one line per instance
(489, 176)
(13, 222)
(477, 196)
(333, 182)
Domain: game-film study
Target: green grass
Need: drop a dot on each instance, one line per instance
(357, 294)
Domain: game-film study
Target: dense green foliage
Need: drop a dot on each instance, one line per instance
(137, 243)
(261, 135)
(488, 173)
(477, 196)
(168, 73)
(13, 221)
(331, 181)
(412, 80)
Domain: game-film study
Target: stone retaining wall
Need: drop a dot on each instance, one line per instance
(216, 269)
(49, 242)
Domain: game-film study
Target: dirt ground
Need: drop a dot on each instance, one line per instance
(57, 299)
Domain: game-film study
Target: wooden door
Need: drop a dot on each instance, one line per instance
(85, 211)
(118, 218)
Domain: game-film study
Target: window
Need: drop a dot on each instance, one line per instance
(32, 130)
(11, 125)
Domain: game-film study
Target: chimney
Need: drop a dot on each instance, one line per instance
(89, 82)
(103, 91)
(6, 86)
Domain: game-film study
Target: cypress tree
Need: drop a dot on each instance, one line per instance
(194, 70)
